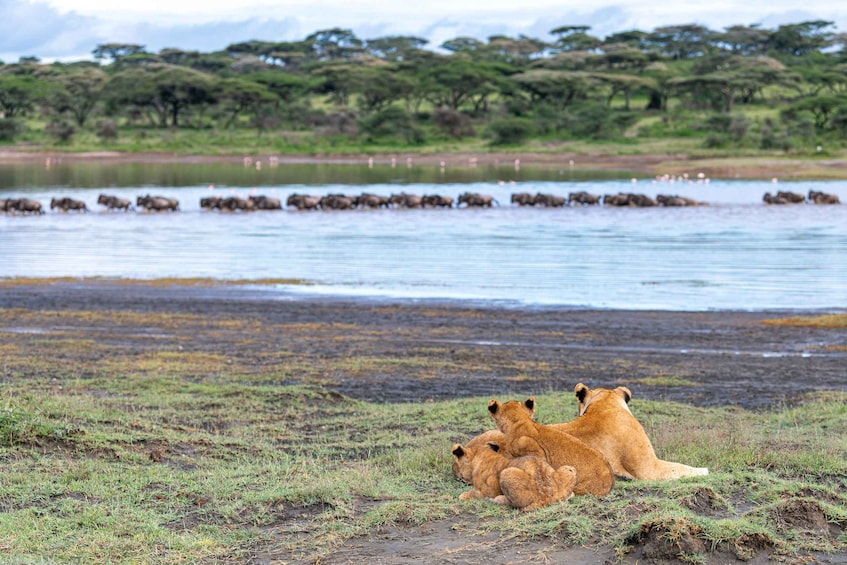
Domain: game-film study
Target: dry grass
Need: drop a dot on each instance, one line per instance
(824, 321)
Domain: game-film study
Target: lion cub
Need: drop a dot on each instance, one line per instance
(523, 482)
(524, 436)
(463, 472)
(606, 423)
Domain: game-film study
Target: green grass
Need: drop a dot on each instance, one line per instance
(152, 468)
(675, 132)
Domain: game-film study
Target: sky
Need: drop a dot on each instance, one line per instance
(68, 30)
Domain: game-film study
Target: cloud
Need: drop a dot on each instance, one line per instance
(39, 29)
(35, 28)
(212, 36)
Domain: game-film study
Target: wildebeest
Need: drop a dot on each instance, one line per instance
(629, 199)
(113, 202)
(23, 205)
(66, 204)
(476, 200)
(672, 200)
(436, 201)
(583, 197)
(368, 200)
(791, 197)
(336, 202)
(406, 200)
(157, 203)
(550, 200)
(769, 198)
(262, 202)
(235, 203)
(523, 199)
(818, 197)
(211, 202)
(303, 201)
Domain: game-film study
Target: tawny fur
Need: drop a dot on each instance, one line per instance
(606, 424)
(529, 483)
(526, 483)
(523, 436)
(483, 465)
(491, 436)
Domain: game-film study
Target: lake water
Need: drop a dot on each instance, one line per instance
(735, 253)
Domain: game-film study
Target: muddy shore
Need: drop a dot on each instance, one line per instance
(446, 349)
(782, 167)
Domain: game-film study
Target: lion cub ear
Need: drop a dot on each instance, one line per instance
(458, 451)
(627, 394)
(493, 446)
(530, 403)
(581, 391)
(493, 406)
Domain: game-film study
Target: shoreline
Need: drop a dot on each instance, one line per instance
(762, 168)
(419, 352)
(261, 290)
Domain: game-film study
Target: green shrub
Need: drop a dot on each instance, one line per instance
(716, 141)
(510, 131)
(393, 122)
(595, 120)
(9, 129)
(455, 124)
(107, 129)
(60, 130)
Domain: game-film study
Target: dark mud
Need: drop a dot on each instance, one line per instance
(700, 358)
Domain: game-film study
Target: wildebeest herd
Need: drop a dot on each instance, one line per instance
(814, 197)
(367, 200)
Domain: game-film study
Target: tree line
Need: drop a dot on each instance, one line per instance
(396, 89)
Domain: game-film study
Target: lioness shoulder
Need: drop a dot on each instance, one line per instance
(606, 423)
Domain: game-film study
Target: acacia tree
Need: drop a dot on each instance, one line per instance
(682, 41)
(335, 43)
(164, 91)
(515, 51)
(379, 87)
(239, 96)
(743, 40)
(19, 93)
(802, 38)
(575, 38)
(622, 83)
(394, 47)
(460, 80)
(556, 88)
(79, 92)
(729, 78)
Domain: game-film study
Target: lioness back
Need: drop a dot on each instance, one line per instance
(606, 423)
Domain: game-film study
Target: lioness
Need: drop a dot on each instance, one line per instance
(523, 436)
(523, 482)
(606, 424)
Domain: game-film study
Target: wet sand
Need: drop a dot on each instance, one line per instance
(700, 358)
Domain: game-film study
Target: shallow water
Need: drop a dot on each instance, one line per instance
(736, 253)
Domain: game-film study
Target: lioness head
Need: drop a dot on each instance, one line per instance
(587, 397)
